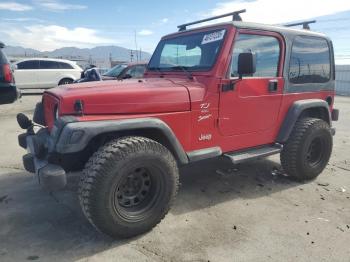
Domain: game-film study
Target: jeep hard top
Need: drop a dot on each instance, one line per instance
(235, 90)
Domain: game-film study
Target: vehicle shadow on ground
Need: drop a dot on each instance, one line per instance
(34, 222)
(211, 182)
(38, 226)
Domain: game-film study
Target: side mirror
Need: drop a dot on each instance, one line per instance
(127, 76)
(246, 64)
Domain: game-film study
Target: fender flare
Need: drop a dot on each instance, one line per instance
(295, 111)
(75, 136)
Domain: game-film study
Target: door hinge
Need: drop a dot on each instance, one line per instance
(228, 87)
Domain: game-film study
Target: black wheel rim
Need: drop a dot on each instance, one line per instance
(137, 192)
(315, 152)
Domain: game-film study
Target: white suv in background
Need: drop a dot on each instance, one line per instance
(36, 73)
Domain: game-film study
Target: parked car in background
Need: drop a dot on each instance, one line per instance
(125, 71)
(102, 71)
(37, 73)
(8, 90)
(118, 72)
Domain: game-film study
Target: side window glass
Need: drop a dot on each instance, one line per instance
(139, 71)
(27, 65)
(48, 64)
(266, 50)
(310, 61)
(64, 65)
(21, 65)
(131, 71)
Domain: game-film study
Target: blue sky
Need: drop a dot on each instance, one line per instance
(51, 24)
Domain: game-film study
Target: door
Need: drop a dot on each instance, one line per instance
(49, 73)
(252, 105)
(26, 74)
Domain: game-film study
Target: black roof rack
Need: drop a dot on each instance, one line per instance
(235, 17)
(305, 24)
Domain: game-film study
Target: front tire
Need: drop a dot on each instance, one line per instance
(128, 186)
(308, 149)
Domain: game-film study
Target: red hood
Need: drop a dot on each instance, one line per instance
(124, 97)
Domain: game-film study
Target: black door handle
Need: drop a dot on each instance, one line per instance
(273, 86)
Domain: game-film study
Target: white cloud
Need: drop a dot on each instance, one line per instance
(159, 22)
(47, 38)
(13, 6)
(145, 32)
(278, 11)
(23, 19)
(55, 5)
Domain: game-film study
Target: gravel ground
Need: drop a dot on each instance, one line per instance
(249, 213)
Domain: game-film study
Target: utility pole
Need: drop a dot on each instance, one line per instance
(90, 60)
(131, 55)
(137, 55)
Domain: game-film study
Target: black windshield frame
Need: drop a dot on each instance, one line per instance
(154, 63)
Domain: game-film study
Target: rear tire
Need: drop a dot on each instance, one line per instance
(65, 81)
(308, 149)
(128, 186)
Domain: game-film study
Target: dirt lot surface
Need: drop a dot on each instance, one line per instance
(249, 213)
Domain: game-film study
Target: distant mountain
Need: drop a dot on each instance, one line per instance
(96, 53)
(20, 51)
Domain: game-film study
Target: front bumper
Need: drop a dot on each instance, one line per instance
(50, 176)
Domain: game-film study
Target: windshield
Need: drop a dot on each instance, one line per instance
(115, 71)
(191, 52)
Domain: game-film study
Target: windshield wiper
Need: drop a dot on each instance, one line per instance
(185, 69)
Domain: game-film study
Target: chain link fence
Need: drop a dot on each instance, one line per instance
(342, 80)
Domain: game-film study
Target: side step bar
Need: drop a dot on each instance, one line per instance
(253, 153)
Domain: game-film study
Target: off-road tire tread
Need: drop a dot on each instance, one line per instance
(115, 150)
(289, 153)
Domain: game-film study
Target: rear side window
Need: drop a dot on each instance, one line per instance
(62, 65)
(48, 65)
(27, 65)
(310, 61)
(54, 65)
(266, 50)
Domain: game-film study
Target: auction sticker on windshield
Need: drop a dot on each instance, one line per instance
(213, 37)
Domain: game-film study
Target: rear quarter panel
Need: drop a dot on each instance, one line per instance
(289, 98)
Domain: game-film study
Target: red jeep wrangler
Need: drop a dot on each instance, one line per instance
(235, 90)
